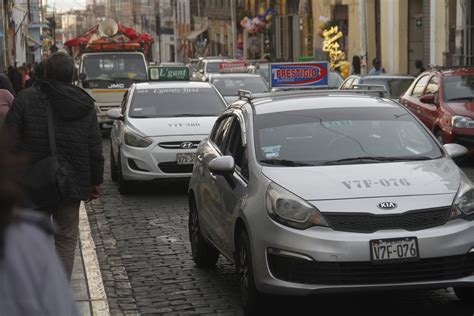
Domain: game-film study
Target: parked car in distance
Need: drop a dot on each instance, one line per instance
(207, 66)
(328, 191)
(229, 84)
(395, 85)
(443, 99)
(158, 128)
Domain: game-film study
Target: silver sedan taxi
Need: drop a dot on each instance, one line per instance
(158, 128)
(312, 192)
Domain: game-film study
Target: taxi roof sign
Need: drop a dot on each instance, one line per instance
(169, 73)
(299, 75)
(233, 66)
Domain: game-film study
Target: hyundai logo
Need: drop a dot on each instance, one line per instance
(387, 205)
(187, 145)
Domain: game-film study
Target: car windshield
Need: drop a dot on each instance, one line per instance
(123, 69)
(395, 87)
(334, 80)
(230, 86)
(341, 136)
(175, 102)
(213, 67)
(459, 87)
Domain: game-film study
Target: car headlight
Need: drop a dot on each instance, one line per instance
(463, 206)
(462, 122)
(135, 140)
(290, 210)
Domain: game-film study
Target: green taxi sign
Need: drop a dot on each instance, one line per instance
(169, 73)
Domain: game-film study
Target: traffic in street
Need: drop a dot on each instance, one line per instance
(180, 157)
(146, 262)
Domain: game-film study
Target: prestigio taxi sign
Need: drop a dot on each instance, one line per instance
(169, 73)
(299, 75)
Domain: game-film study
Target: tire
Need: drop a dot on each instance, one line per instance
(253, 301)
(114, 175)
(465, 294)
(125, 186)
(204, 254)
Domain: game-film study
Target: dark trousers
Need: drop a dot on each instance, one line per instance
(66, 220)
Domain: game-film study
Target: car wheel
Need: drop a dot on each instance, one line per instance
(439, 137)
(124, 185)
(113, 166)
(251, 298)
(204, 254)
(465, 294)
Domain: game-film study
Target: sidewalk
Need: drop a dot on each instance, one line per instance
(86, 282)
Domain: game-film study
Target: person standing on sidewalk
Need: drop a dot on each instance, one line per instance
(78, 144)
(31, 278)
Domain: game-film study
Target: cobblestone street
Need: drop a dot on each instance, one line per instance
(145, 259)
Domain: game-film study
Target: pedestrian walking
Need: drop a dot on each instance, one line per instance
(55, 124)
(32, 281)
(355, 67)
(16, 78)
(419, 67)
(377, 68)
(6, 97)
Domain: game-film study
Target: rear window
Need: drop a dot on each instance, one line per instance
(458, 88)
(395, 87)
(231, 86)
(175, 102)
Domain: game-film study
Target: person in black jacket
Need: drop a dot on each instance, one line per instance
(78, 141)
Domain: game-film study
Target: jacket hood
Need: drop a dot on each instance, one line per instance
(68, 101)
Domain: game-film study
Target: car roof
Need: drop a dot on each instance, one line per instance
(235, 75)
(172, 84)
(389, 77)
(271, 102)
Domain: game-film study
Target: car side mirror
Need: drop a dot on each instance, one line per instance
(201, 71)
(82, 76)
(455, 150)
(222, 165)
(114, 114)
(427, 99)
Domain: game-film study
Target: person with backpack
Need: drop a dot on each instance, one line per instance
(54, 124)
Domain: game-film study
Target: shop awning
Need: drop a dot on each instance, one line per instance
(194, 34)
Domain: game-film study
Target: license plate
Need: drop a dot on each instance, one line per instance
(396, 249)
(185, 159)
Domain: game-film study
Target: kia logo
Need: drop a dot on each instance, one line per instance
(187, 145)
(387, 205)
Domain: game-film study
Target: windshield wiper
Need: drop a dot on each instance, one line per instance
(133, 79)
(364, 159)
(98, 79)
(190, 114)
(284, 162)
(470, 98)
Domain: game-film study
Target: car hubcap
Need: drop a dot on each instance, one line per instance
(244, 275)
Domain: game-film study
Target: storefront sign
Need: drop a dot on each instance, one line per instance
(299, 75)
(169, 73)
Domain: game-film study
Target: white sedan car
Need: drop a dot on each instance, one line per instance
(158, 128)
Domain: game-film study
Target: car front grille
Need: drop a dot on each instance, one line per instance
(347, 273)
(173, 167)
(177, 145)
(369, 223)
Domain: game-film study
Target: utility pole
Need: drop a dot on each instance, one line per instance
(174, 3)
(234, 26)
(363, 36)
